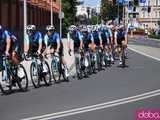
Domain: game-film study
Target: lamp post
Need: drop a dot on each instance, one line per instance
(51, 12)
(25, 18)
(60, 18)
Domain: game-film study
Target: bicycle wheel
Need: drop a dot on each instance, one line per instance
(65, 77)
(22, 78)
(46, 73)
(6, 89)
(55, 70)
(34, 75)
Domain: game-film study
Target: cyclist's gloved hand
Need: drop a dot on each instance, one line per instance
(7, 54)
(56, 54)
(26, 56)
(69, 52)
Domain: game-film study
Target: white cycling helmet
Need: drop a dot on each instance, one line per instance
(72, 28)
(50, 27)
(31, 27)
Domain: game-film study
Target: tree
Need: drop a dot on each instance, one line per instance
(109, 10)
(69, 9)
(95, 19)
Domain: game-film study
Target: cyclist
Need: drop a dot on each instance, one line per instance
(122, 40)
(97, 37)
(9, 48)
(110, 42)
(88, 39)
(54, 44)
(75, 35)
(33, 41)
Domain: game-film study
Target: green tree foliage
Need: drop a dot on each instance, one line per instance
(69, 9)
(109, 10)
(95, 19)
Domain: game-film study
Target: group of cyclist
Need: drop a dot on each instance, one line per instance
(84, 38)
(34, 43)
(108, 38)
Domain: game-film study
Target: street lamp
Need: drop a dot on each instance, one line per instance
(51, 12)
(25, 18)
(60, 17)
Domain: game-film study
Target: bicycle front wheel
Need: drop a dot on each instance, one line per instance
(23, 78)
(5, 89)
(34, 75)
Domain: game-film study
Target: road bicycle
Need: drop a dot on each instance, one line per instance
(58, 68)
(39, 70)
(14, 75)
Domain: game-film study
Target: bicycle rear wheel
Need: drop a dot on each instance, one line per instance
(55, 70)
(22, 78)
(47, 73)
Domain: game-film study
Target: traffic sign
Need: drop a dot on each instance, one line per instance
(61, 15)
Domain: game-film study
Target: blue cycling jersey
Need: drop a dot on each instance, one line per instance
(104, 35)
(35, 38)
(4, 35)
(88, 37)
(78, 36)
(97, 36)
(54, 37)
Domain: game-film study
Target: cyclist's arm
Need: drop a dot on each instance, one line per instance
(81, 41)
(58, 41)
(46, 39)
(115, 37)
(110, 35)
(100, 38)
(8, 41)
(40, 43)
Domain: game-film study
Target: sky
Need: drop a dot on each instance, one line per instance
(92, 2)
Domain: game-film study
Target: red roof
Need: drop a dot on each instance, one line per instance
(46, 4)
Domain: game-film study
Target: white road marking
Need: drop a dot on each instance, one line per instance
(142, 53)
(96, 107)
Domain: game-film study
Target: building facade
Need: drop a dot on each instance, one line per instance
(147, 15)
(38, 13)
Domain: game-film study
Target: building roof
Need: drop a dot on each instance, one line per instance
(45, 4)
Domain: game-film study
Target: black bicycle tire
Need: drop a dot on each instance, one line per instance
(49, 72)
(38, 84)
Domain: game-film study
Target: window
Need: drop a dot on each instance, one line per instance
(143, 14)
(156, 14)
(157, 2)
(149, 2)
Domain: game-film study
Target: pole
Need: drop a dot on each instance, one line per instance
(127, 20)
(60, 18)
(51, 12)
(118, 14)
(25, 18)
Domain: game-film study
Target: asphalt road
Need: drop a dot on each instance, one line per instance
(114, 83)
(144, 41)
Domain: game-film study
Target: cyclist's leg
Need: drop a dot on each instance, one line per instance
(119, 42)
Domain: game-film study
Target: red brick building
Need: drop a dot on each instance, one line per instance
(38, 13)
